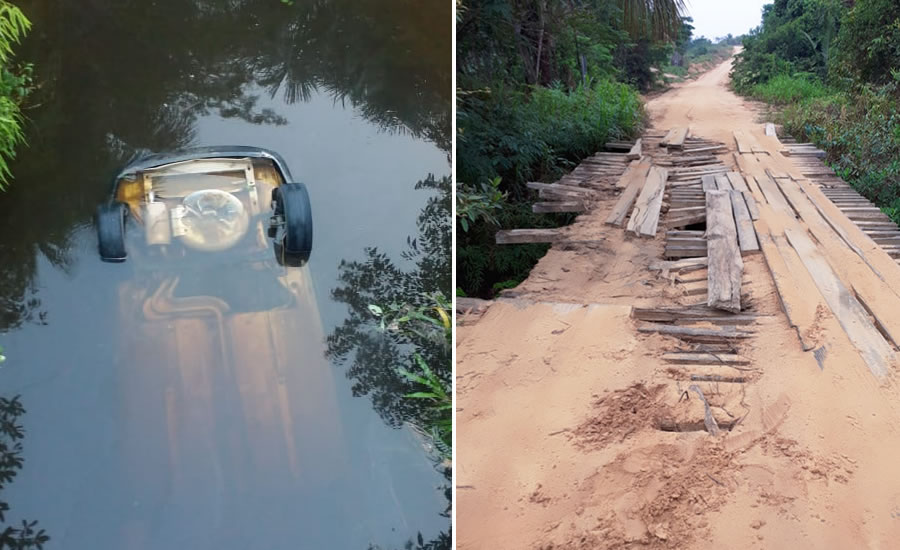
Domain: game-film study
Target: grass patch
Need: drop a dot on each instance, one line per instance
(784, 89)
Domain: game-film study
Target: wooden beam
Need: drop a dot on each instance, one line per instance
(723, 184)
(743, 142)
(636, 170)
(628, 196)
(557, 206)
(706, 358)
(635, 152)
(570, 188)
(725, 265)
(851, 315)
(770, 129)
(677, 140)
(739, 184)
(523, 236)
(697, 334)
(746, 233)
(644, 219)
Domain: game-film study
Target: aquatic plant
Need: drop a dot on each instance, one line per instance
(431, 322)
(14, 86)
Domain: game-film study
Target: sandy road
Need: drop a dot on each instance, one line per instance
(558, 392)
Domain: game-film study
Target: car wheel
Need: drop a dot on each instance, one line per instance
(111, 231)
(292, 209)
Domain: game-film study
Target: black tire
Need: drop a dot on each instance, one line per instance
(291, 202)
(111, 232)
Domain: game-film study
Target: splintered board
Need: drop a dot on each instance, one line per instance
(636, 178)
(644, 219)
(725, 265)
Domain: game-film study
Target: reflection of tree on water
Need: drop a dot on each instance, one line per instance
(374, 356)
(118, 78)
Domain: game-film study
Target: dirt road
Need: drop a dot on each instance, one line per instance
(559, 400)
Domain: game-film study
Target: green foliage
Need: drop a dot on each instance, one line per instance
(547, 41)
(544, 83)
(860, 131)
(479, 204)
(504, 285)
(784, 89)
(537, 133)
(834, 67)
(868, 44)
(795, 36)
(15, 83)
(431, 322)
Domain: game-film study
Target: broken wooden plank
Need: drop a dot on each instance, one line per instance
(725, 265)
(723, 184)
(644, 219)
(739, 184)
(670, 135)
(743, 142)
(851, 315)
(557, 206)
(637, 170)
(684, 221)
(706, 358)
(677, 139)
(694, 263)
(574, 189)
(628, 196)
(693, 334)
(746, 233)
(522, 236)
(635, 152)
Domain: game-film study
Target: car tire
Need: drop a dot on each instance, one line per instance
(291, 204)
(111, 232)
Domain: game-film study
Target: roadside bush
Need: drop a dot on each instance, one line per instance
(535, 134)
(860, 131)
(538, 132)
(784, 89)
(752, 68)
(15, 83)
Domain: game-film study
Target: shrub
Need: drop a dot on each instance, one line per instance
(784, 89)
(527, 135)
(14, 86)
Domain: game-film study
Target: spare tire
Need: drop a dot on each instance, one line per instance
(291, 204)
(111, 231)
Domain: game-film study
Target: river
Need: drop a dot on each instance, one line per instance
(356, 96)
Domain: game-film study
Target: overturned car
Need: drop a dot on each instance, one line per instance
(234, 200)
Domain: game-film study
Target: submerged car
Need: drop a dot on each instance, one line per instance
(224, 409)
(206, 200)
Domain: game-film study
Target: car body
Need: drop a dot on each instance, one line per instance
(227, 406)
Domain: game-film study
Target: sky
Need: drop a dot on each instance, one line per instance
(714, 18)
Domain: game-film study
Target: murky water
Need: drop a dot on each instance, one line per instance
(275, 428)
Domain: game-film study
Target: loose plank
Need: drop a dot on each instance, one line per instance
(645, 217)
(635, 152)
(629, 195)
(746, 234)
(725, 265)
(522, 236)
(561, 206)
(737, 181)
(851, 315)
(636, 170)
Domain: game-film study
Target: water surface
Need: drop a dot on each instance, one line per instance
(356, 97)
